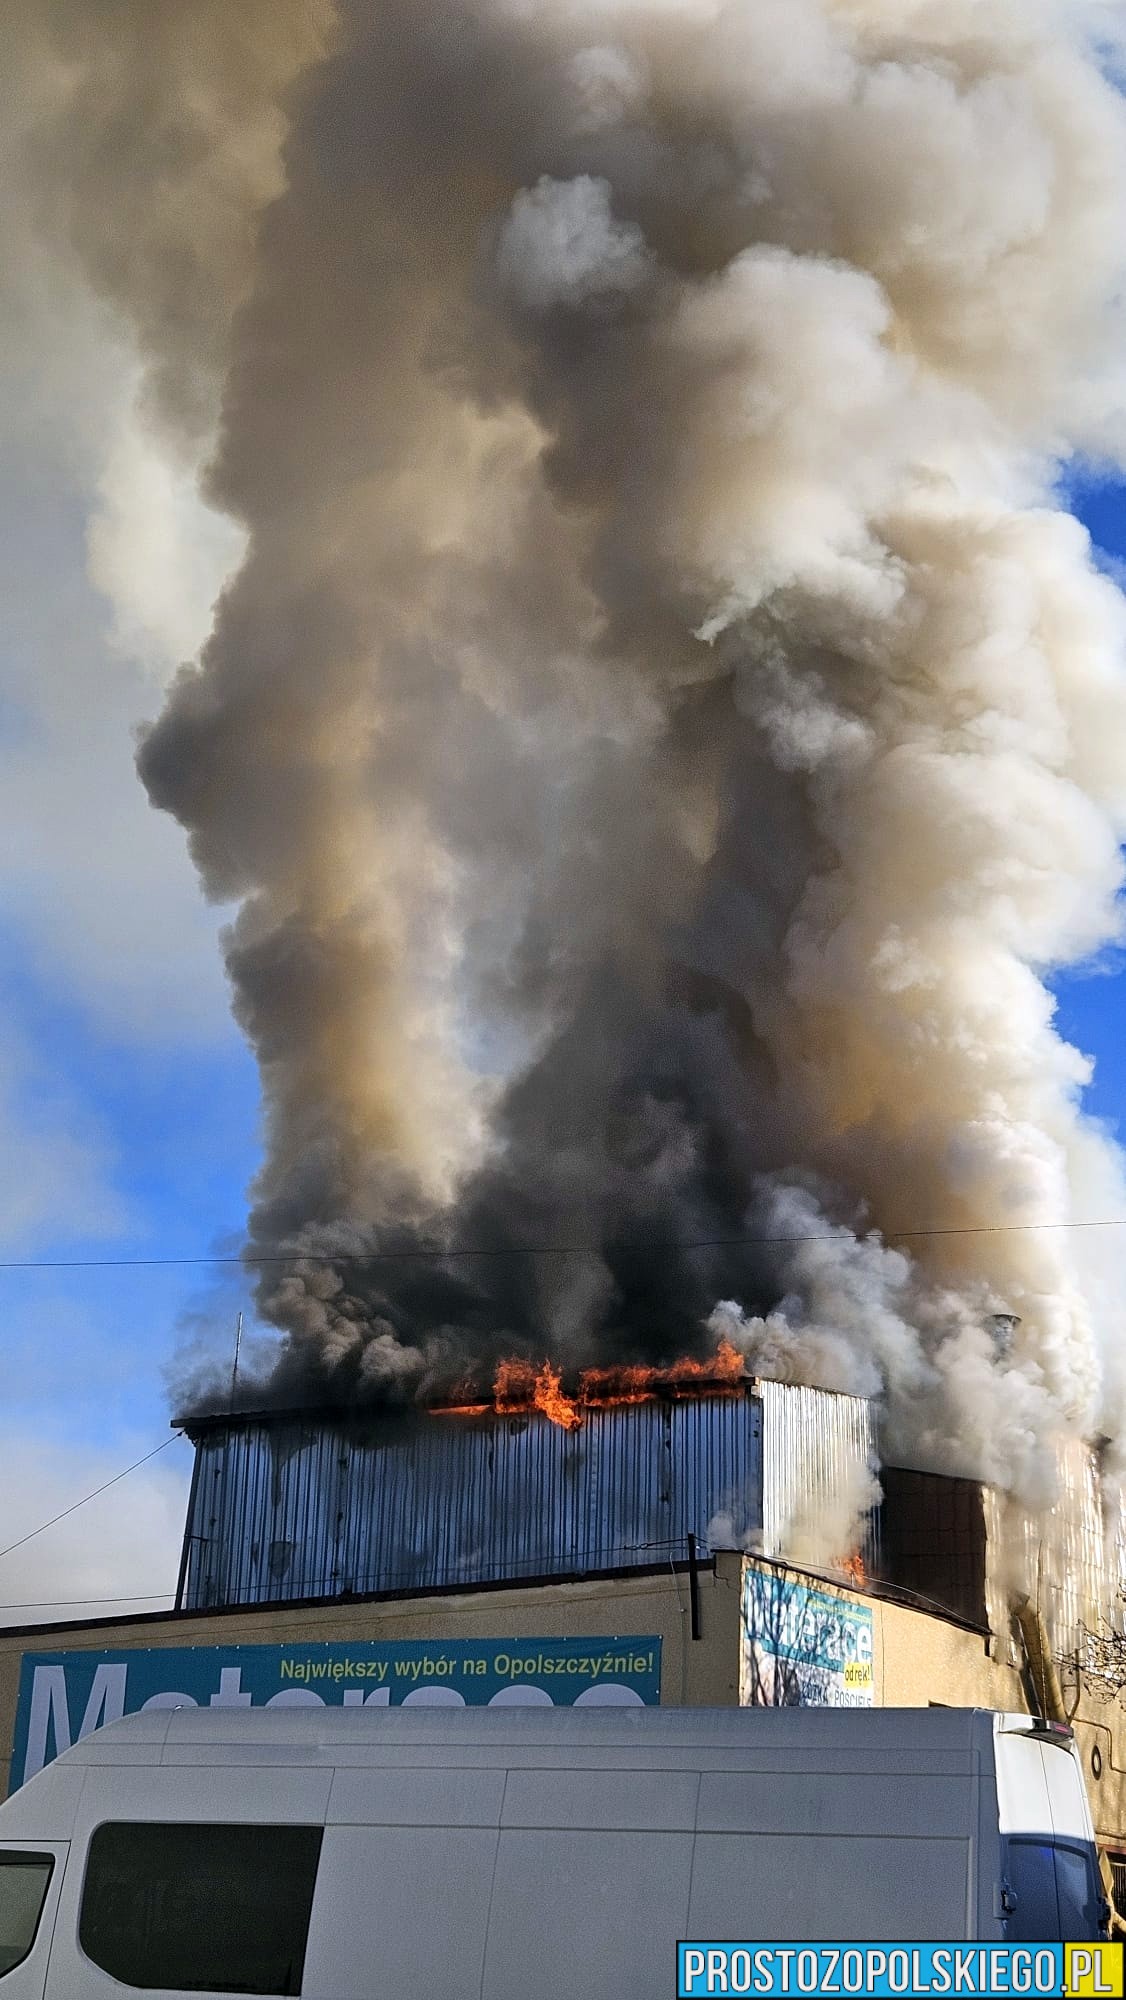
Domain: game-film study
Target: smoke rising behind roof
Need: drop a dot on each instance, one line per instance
(664, 729)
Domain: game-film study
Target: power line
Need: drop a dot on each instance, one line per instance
(255, 1258)
(73, 1509)
(326, 1590)
(66, 1603)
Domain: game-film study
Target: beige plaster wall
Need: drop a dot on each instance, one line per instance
(918, 1658)
(698, 1673)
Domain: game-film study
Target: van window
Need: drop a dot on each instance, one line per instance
(202, 1908)
(1079, 1893)
(1054, 1892)
(23, 1892)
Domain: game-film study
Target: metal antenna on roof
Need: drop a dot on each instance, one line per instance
(234, 1370)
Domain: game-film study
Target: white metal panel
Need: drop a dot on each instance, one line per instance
(819, 1457)
(497, 1735)
(275, 1795)
(588, 1915)
(1022, 1790)
(1040, 1784)
(812, 1801)
(642, 1801)
(250, 1756)
(850, 1887)
(47, 1812)
(141, 1755)
(1066, 1558)
(401, 1911)
(1067, 1794)
(415, 1795)
(149, 1726)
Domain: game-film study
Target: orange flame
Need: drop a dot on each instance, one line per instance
(521, 1386)
(853, 1568)
(634, 1385)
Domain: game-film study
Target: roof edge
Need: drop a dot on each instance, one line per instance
(346, 1601)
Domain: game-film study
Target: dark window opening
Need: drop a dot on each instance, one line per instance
(202, 1908)
(23, 1892)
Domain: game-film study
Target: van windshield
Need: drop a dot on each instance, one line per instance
(1053, 1891)
(23, 1891)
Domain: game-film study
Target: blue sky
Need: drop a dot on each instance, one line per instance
(1091, 1000)
(128, 1102)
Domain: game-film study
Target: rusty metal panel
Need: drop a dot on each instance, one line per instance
(294, 1507)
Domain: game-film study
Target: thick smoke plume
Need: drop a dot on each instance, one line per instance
(664, 729)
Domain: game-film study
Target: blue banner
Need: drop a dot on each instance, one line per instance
(63, 1696)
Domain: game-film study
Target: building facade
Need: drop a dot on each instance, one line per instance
(496, 1556)
(709, 1625)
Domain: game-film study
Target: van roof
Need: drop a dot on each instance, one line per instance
(317, 1734)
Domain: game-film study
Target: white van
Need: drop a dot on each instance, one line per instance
(437, 1854)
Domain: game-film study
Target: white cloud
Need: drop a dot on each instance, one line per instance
(55, 1167)
(109, 563)
(124, 1545)
(108, 566)
(100, 886)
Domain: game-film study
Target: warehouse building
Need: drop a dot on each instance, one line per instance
(711, 1544)
(289, 1505)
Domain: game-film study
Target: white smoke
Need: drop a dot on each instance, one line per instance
(862, 1318)
(561, 246)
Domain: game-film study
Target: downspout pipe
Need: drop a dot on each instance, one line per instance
(1044, 1678)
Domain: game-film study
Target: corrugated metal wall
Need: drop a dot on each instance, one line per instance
(287, 1508)
(819, 1474)
(1068, 1558)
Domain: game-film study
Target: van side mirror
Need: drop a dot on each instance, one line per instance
(1008, 1900)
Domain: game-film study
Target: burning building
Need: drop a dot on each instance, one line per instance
(634, 1475)
(691, 1539)
(288, 1506)
(662, 735)
(663, 729)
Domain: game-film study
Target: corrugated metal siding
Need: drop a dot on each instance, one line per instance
(288, 1508)
(819, 1463)
(1067, 1558)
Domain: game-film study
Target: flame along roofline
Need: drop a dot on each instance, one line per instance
(396, 1413)
(371, 1414)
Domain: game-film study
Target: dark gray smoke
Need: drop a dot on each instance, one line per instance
(662, 732)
